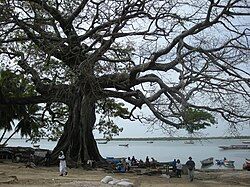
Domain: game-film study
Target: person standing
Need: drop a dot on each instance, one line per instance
(48, 158)
(191, 166)
(62, 165)
(133, 161)
(174, 166)
(147, 162)
(178, 168)
(129, 164)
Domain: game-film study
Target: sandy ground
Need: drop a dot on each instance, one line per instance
(17, 175)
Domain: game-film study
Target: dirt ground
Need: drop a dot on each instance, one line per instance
(17, 175)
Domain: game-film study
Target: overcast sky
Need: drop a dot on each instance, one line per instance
(138, 130)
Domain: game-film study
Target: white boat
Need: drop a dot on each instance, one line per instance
(228, 162)
(207, 161)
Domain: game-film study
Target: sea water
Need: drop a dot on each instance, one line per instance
(163, 151)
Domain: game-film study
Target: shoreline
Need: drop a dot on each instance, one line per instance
(175, 138)
(17, 175)
(162, 138)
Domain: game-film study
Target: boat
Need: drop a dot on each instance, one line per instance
(225, 162)
(234, 147)
(246, 165)
(103, 142)
(219, 162)
(150, 142)
(36, 146)
(229, 163)
(189, 142)
(125, 145)
(246, 142)
(208, 161)
(114, 160)
(206, 166)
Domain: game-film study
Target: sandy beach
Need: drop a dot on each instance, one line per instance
(17, 175)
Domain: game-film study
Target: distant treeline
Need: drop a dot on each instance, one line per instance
(175, 138)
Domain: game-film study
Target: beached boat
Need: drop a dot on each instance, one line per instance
(126, 145)
(235, 147)
(225, 162)
(228, 162)
(246, 165)
(207, 161)
(114, 160)
(219, 162)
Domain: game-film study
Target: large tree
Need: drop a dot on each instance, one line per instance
(165, 55)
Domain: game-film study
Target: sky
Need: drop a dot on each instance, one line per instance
(138, 130)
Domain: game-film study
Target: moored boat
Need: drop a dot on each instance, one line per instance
(207, 161)
(234, 147)
(36, 146)
(189, 142)
(246, 142)
(103, 142)
(126, 145)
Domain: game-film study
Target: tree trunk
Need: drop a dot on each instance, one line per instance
(4, 132)
(77, 140)
(16, 130)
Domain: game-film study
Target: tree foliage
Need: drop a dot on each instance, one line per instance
(12, 85)
(195, 120)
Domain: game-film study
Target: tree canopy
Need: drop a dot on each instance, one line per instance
(166, 56)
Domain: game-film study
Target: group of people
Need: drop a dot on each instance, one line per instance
(177, 168)
(124, 165)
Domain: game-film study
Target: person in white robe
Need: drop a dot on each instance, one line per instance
(62, 165)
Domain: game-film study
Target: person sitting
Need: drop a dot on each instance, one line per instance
(141, 163)
(120, 167)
